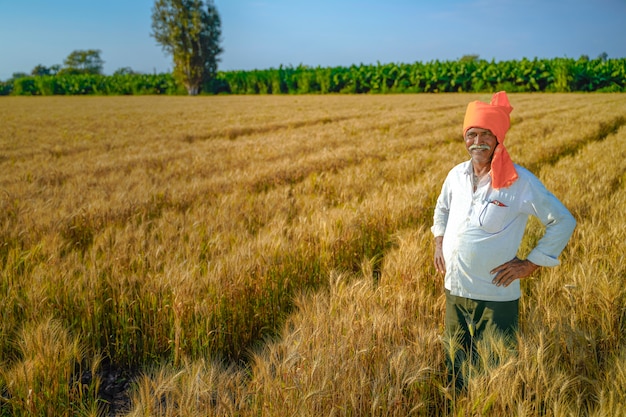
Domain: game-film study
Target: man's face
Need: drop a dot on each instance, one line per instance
(480, 143)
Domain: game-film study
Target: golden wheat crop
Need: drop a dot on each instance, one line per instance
(272, 256)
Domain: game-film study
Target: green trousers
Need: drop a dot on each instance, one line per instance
(467, 321)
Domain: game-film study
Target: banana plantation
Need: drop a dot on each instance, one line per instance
(464, 75)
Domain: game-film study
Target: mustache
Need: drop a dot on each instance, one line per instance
(479, 147)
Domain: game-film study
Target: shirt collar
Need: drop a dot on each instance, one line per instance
(469, 170)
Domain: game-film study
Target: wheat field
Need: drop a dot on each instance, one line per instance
(271, 256)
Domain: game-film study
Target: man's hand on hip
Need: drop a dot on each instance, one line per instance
(512, 270)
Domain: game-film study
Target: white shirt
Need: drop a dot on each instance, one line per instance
(482, 230)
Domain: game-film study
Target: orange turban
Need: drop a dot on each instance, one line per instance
(495, 117)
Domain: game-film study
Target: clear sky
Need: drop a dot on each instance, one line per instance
(263, 34)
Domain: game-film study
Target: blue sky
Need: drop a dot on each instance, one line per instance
(267, 33)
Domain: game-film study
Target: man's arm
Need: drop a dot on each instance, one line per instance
(440, 221)
(559, 224)
(556, 218)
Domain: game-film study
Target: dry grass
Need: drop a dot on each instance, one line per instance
(290, 234)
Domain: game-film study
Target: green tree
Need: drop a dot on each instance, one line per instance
(124, 71)
(470, 58)
(84, 62)
(190, 31)
(18, 75)
(40, 70)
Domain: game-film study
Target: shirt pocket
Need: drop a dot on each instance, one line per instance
(493, 216)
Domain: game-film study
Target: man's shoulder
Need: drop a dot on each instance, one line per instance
(525, 173)
(462, 167)
(527, 179)
(458, 171)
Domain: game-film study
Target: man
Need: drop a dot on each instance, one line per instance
(479, 223)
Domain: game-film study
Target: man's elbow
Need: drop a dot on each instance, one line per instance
(570, 223)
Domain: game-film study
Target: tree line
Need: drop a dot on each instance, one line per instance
(468, 74)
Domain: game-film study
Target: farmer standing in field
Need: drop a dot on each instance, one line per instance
(479, 223)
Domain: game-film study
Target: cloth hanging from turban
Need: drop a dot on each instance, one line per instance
(495, 117)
